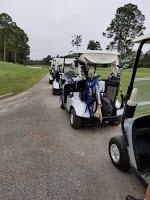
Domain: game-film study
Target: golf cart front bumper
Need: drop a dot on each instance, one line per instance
(113, 119)
(56, 91)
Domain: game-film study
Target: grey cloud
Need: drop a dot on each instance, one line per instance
(50, 24)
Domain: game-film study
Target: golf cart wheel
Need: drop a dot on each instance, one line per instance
(117, 123)
(75, 121)
(56, 92)
(118, 153)
(61, 103)
(50, 82)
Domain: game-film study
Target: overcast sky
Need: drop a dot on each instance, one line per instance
(50, 24)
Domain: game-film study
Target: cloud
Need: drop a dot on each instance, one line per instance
(50, 24)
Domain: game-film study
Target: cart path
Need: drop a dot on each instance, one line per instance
(42, 157)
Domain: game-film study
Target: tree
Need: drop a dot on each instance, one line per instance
(47, 60)
(124, 28)
(18, 44)
(14, 40)
(145, 60)
(92, 45)
(76, 41)
(5, 27)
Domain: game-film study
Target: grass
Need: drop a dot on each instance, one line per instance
(17, 78)
(125, 77)
(143, 86)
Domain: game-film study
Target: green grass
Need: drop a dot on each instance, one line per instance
(16, 78)
(143, 86)
(142, 110)
(125, 77)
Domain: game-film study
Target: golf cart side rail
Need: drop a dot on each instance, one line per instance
(130, 86)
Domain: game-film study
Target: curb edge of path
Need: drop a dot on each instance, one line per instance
(6, 95)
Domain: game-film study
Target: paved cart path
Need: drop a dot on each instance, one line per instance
(42, 157)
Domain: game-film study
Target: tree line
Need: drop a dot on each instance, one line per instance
(44, 61)
(13, 41)
(127, 24)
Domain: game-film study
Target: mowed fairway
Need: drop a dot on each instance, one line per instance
(142, 85)
(16, 78)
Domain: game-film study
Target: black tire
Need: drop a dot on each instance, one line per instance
(50, 82)
(122, 162)
(61, 103)
(75, 121)
(117, 123)
(54, 92)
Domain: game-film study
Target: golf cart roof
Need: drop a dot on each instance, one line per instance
(96, 56)
(143, 37)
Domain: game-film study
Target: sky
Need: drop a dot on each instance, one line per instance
(50, 24)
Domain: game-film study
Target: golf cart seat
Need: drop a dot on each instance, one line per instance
(141, 142)
(68, 88)
(111, 88)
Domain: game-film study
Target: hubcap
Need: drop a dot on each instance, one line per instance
(115, 154)
(71, 118)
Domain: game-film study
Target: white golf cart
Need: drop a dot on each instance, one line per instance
(59, 73)
(51, 71)
(132, 149)
(92, 100)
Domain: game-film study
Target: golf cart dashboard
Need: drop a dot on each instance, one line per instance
(141, 122)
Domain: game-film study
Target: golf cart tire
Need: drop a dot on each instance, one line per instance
(117, 123)
(77, 122)
(61, 103)
(50, 82)
(56, 92)
(123, 161)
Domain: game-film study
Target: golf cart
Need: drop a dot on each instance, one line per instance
(59, 70)
(59, 73)
(52, 72)
(131, 150)
(88, 98)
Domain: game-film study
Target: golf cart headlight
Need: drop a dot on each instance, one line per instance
(131, 104)
(133, 98)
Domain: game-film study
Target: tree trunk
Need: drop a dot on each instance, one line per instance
(119, 47)
(4, 58)
(15, 57)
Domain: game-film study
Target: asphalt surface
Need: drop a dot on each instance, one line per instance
(42, 157)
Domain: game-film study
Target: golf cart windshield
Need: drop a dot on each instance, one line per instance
(142, 80)
(142, 83)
